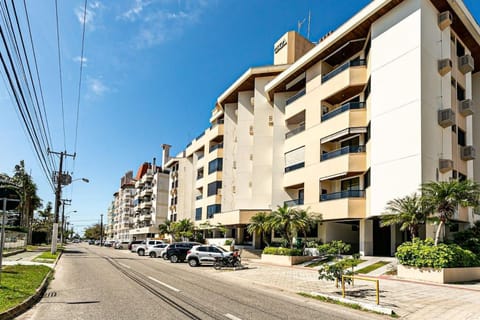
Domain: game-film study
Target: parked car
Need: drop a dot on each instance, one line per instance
(121, 245)
(91, 242)
(177, 251)
(156, 251)
(108, 243)
(142, 248)
(205, 254)
(133, 245)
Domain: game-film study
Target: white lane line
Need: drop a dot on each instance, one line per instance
(124, 265)
(164, 284)
(231, 316)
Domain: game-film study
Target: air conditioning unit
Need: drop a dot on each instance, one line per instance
(270, 121)
(444, 66)
(467, 153)
(445, 165)
(444, 20)
(466, 64)
(466, 107)
(446, 117)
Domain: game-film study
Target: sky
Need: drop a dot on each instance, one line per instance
(152, 71)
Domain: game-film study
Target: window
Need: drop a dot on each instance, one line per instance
(453, 82)
(460, 93)
(461, 137)
(295, 159)
(200, 173)
(213, 188)
(212, 209)
(351, 184)
(366, 179)
(198, 214)
(215, 165)
(461, 177)
(460, 49)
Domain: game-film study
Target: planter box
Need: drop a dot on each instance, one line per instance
(444, 275)
(285, 260)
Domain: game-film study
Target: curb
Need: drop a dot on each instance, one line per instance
(32, 300)
(8, 254)
(363, 305)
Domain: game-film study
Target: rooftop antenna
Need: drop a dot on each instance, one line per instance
(299, 25)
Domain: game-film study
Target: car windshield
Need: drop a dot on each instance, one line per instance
(221, 249)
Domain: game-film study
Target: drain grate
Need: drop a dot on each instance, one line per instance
(50, 294)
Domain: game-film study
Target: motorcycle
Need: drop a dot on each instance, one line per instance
(231, 261)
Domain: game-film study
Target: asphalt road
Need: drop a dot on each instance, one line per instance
(103, 283)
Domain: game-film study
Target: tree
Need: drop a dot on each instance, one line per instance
(409, 212)
(307, 220)
(183, 228)
(167, 228)
(93, 232)
(44, 221)
(444, 197)
(259, 223)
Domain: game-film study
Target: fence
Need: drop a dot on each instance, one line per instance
(15, 240)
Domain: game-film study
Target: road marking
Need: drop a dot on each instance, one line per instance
(164, 284)
(231, 316)
(124, 265)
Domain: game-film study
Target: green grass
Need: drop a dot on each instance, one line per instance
(18, 283)
(47, 257)
(340, 303)
(372, 267)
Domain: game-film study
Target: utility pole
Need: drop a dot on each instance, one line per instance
(101, 229)
(65, 202)
(58, 196)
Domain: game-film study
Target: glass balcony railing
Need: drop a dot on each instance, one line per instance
(294, 202)
(343, 194)
(295, 131)
(342, 151)
(295, 167)
(343, 67)
(342, 109)
(295, 96)
(215, 147)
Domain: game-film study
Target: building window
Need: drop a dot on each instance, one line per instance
(461, 137)
(366, 179)
(213, 188)
(295, 159)
(351, 184)
(198, 214)
(199, 173)
(215, 165)
(461, 177)
(460, 93)
(212, 209)
(460, 49)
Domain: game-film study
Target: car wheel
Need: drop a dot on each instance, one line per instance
(153, 255)
(173, 258)
(193, 262)
(141, 252)
(164, 256)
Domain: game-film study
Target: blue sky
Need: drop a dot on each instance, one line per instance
(152, 73)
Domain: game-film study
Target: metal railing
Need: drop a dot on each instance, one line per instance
(294, 202)
(295, 167)
(343, 194)
(295, 131)
(343, 67)
(342, 151)
(342, 109)
(295, 96)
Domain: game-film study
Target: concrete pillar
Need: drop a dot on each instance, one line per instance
(366, 237)
(393, 239)
(239, 236)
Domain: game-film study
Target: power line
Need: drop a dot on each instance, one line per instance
(60, 75)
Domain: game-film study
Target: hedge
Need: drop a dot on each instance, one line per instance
(282, 251)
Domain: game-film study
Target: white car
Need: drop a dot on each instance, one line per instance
(205, 254)
(156, 250)
(142, 248)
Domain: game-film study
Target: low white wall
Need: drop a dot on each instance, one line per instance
(285, 260)
(446, 275)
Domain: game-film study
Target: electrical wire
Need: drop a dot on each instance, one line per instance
(60, 75)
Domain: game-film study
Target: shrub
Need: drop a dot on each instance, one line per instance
(282, 251)
(469, 239)
(335, 271)
(228, 242)
(422, 254)
(334, 247)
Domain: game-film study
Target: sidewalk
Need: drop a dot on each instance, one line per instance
(25, 258)
(408, 299)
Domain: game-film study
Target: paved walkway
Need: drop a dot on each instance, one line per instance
(25, 258)
(408, 299)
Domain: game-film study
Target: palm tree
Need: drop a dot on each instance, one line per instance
(409, 212)
(259, 224)
(166, 228)
(307, 220)
(287, 221)
(444, 197)
(183, 228)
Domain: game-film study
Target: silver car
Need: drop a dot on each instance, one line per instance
(157, 250)
(205, 254)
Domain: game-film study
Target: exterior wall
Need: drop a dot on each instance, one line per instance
(230, 161)
(476, 127)
(395, 156)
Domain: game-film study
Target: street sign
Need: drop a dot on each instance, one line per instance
(12, 196)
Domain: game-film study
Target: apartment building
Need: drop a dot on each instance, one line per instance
(149, 202)
(120, 218)
(378, 107)
(110, 231)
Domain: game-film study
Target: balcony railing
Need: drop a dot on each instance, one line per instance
(342, 151)
(295, 131)
(343, 67)
(343, 194)
(295, 96)
(215, 147)
(342, 109)
(219, 121)
(200, 197)
(294, 202)
(295, 167)
(200, 135)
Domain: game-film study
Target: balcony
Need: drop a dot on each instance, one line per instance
(215, 147)
(343, 67)
(295, 167)
(145, 217)
(146, 193)
(343, 108)
(295, 131)
(343, 194)
(342, 208)
(139, 184)
(199, 197)
(342, 151)
(294, 202)
(145, 205)
(296, 96)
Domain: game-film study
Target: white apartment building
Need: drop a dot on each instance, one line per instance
(120, 219)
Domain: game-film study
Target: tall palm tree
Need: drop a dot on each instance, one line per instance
(184, 228)
(286, 220)
(259, 224)
(307, 220)
(409, 212)
(167, 228)
(444, 197)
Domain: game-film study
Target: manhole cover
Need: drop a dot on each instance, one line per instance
(50, 294)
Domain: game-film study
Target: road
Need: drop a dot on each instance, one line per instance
(103, 283)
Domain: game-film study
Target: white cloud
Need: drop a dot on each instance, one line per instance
(87, 15)
(135, 12)
(96, 86)
(80, 59)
